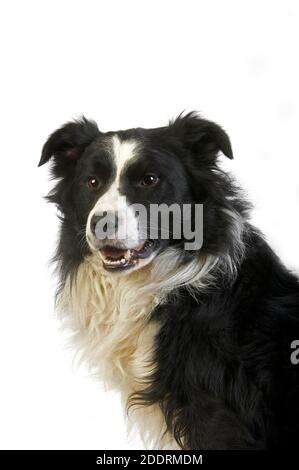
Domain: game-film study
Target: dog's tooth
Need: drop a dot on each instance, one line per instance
(123, 261)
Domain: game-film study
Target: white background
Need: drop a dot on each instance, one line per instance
(125, 63)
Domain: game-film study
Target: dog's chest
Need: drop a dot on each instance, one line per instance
(110, 318)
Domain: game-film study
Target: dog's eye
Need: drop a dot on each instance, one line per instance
(93, 183)
(149, 180)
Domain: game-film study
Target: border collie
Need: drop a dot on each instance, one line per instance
(198, 342)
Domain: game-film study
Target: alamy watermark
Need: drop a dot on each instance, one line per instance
(295, 354)
(157, 221)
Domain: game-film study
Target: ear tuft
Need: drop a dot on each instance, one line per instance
(201, 136)
(69, 142)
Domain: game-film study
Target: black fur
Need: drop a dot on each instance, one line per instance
(224, 378)
(223, 375)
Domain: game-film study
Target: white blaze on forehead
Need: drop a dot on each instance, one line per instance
(122, 152)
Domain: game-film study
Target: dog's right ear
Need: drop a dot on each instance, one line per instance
(67, 144)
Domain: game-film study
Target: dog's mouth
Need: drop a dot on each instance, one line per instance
(115, 258)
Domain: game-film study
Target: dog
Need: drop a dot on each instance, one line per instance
(198, 342)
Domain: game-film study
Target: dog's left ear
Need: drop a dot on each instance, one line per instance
(201, 136)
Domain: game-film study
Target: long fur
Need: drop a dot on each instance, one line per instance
(198, 343)
(111, 323)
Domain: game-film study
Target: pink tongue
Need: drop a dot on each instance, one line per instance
(113, 252)
(116, 253)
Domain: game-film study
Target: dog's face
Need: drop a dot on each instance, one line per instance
(107, 179)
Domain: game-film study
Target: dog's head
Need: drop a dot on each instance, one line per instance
(110, 185)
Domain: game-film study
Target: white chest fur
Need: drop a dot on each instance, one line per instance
(109, 316)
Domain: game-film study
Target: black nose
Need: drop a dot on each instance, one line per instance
(108, 223)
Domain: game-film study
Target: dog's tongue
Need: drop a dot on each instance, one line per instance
(115, 253)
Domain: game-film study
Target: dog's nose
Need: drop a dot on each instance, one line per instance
(105, 223)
